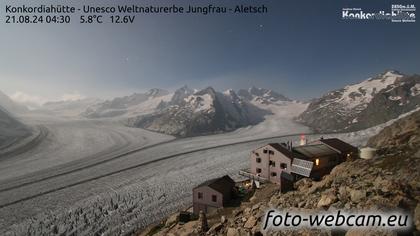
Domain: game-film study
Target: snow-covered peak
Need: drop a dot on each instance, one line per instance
(362, 93)
(155, 92)
(228, 92)
(184, 90)
(231, 93)
(254, 90)
(200, 103)
(392, 73)
(358, 106)
(209, 90)
(261, 95)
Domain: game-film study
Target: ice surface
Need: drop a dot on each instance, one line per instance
(70, 140)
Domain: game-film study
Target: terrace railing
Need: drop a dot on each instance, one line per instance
(252, 176)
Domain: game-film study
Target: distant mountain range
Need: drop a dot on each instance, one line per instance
(363, 105)
(261, 95)
(188, 112)
(135, 104)
(70, 108)
(200, 113)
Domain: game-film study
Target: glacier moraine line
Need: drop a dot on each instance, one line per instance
(130, 168)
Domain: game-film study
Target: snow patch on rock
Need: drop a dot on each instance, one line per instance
(362, 93)
(415, 90)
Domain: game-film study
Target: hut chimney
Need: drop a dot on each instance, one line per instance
(302, 139)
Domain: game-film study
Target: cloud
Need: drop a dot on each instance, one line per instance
(72, 96)
(34, 102)
(28, 100)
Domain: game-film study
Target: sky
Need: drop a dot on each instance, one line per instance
(301, 49)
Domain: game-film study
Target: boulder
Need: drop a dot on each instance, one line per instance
(343, 193)
(369, 232)
(256, 206)
(417, 216)
(171, 220)
(251, 222)
(326, 200)
(357, 195)
(232, 232)
(215, 228)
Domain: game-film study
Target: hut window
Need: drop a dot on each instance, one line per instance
(283, 165)
(258, 170)
(273, 174)
(271, 152)
(317, 162)
(258, 160)
(265, 151)
(257, 154)
(200, 195)
(272, 163)
(214, 198)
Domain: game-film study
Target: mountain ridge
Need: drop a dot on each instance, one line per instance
(365, 104)
(203, 112)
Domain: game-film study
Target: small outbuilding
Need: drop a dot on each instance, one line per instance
(213, 194)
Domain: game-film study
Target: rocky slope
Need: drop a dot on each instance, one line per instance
(177, 98)
(363, 105)
(10, 129)
(389, 182)
(203, 112)
(404, 132)
(11, 106)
